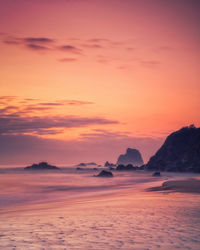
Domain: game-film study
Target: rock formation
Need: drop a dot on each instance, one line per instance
(156, 174)
(105, 173)
(108, 164)
(83, 164)
(128, 167)
(179, 153)
(41, 166)
(132, 156)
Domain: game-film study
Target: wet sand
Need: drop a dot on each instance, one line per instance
(183, 186)
(116, 217)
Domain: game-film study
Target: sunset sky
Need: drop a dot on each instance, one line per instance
(82, 80)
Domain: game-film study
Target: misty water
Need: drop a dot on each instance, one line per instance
(72, 209)
(20, 186)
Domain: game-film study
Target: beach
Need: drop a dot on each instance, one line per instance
(75, 210)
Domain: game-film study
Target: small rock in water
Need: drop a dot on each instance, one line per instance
(105, 173)
(156, 174)
(41, 166)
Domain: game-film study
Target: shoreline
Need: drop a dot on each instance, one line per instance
(190, 185)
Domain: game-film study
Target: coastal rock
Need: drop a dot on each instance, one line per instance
(156, 174)
(41, 166)
(111, 168)
(105, 173)
(132, 156)
(83, 164)
(108, 164)
(78, 168)
(179, 153)
(128, 167)
(91, 164)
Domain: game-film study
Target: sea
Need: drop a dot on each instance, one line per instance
(74, 209)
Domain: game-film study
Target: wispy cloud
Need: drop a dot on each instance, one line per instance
(43, 40)
(35, 102)
(120, 54)
(36, 46)
(12, 42)
(76, 102)
(21, 124)
(30, 118)
(70, 48)
(67, 59)
(33, 43)
(93, 46)
(98, 40)
(150, 63)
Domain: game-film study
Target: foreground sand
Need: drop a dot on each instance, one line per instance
(183, 186)
(129, 218)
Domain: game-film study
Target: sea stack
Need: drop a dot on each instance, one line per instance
(179, 153)
(132, 156)
(41, 166)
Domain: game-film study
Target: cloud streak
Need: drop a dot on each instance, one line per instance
(43, 40)
(67, 60)
(36, 46)
(111, 50)
(70, 49)
(33, 43)
(16, 124)
(27, 119)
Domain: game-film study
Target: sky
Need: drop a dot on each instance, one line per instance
(82, 80)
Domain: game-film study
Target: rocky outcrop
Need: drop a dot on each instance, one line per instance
(128, 167)
(156, 174)
(179, 153)
(108, 164)
(91, 164)
(83, 164)
(105, 173)
(41, 166)
(132, 156)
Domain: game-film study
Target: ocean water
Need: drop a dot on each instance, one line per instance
(70, 209)
(19, 186)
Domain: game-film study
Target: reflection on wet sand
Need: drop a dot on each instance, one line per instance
(77, 211)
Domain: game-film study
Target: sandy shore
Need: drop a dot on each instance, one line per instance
(118, 217)
(185, 186)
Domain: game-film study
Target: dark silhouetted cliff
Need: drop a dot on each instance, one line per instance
(179, 153)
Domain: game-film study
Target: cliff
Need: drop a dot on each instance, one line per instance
(179, 153)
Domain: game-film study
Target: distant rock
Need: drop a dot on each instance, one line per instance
(83, 164)
(91, 164)
(128, 167)
(41, 166)
(108, 164)
(179, 153)
(132, 156)
(105, 173)
(156, 174)
(78, 168)
(142, 167)
(111, 168)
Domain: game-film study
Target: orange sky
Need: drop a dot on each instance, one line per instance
(92, 68)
